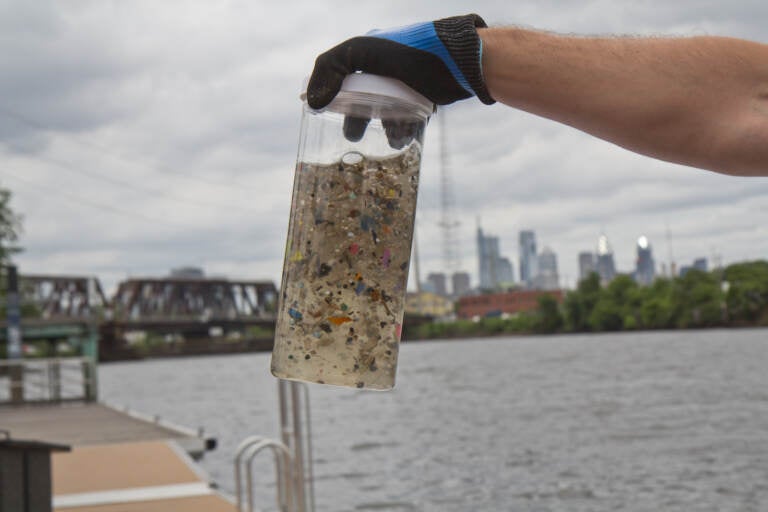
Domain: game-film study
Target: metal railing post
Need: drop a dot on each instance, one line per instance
(89, 380)
(16, 372)
(296, 435)
(54, 379)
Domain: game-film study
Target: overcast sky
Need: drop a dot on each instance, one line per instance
(141, 136)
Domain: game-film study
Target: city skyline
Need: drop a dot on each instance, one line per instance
(601, 258)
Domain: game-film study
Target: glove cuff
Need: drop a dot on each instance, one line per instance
(459, 35)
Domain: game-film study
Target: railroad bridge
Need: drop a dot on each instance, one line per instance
(74, 307)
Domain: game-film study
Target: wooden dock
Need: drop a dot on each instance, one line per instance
(120, 461)
(154, 476)
(80, 424)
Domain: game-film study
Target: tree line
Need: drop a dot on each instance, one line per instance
(735, 296)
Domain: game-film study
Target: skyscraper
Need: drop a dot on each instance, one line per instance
(494, 269)
(587, 264)
(645, 268)
(504, 274)
(547, 277)
(605, 266)
(460, 284)
(436, 282)
(487, 251)
(528, 262)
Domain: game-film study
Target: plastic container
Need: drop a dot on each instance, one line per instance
(345, 273)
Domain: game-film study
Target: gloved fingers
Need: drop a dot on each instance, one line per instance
(421, 70)
(401, 132)
(331, 67)
(326, 79)
(354, 127)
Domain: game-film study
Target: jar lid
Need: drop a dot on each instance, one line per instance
(368, 83)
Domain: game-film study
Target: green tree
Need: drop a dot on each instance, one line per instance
(657, 310)
(700, 299)
(548, 318)
(579, 304)
(747, 296)
(10, 228)
(626, 295)
(606, 316)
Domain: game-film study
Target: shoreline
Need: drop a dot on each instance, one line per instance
(265, 344)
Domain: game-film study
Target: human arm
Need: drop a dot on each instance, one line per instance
(699, 101)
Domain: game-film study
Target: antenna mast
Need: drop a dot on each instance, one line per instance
(448, 223)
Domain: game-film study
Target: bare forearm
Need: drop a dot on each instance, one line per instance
(699, 101)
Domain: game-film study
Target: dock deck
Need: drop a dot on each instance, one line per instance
(120, 461)
(81, 424)
(132, 477)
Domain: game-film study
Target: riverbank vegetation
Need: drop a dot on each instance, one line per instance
(736, 296)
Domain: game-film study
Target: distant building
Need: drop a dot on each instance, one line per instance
(645, 268)
(187, 273)
(587, 264)
(547, 277)
(494, 270)
(436, 281)
(510, 303)
(698, 264)
(504, 272)
(605, 266)
(528, 258)
(427, 303)
(460, 284)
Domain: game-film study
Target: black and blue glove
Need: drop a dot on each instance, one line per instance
(439, 59)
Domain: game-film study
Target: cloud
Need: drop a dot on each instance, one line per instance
(142, 136)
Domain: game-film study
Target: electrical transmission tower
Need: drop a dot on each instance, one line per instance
(448, 223)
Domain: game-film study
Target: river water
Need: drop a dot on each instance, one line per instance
(672, 421)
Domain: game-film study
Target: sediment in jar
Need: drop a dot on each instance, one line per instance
(346, 270)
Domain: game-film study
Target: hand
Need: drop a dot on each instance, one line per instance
(440, 59)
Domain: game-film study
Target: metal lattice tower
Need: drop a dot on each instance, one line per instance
(448, 223)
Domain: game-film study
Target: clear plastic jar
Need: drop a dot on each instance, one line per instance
(345, 273)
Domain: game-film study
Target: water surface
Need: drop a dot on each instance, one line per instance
(672, 421)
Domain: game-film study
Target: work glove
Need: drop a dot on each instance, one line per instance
(439, 59)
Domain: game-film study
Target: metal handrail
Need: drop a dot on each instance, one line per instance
(246, 452)
(283, 496)
(246, 443)
(15, 362)
(51, 379)
(294, 470)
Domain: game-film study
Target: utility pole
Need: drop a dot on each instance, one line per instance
(13, 316)
(13, 313)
